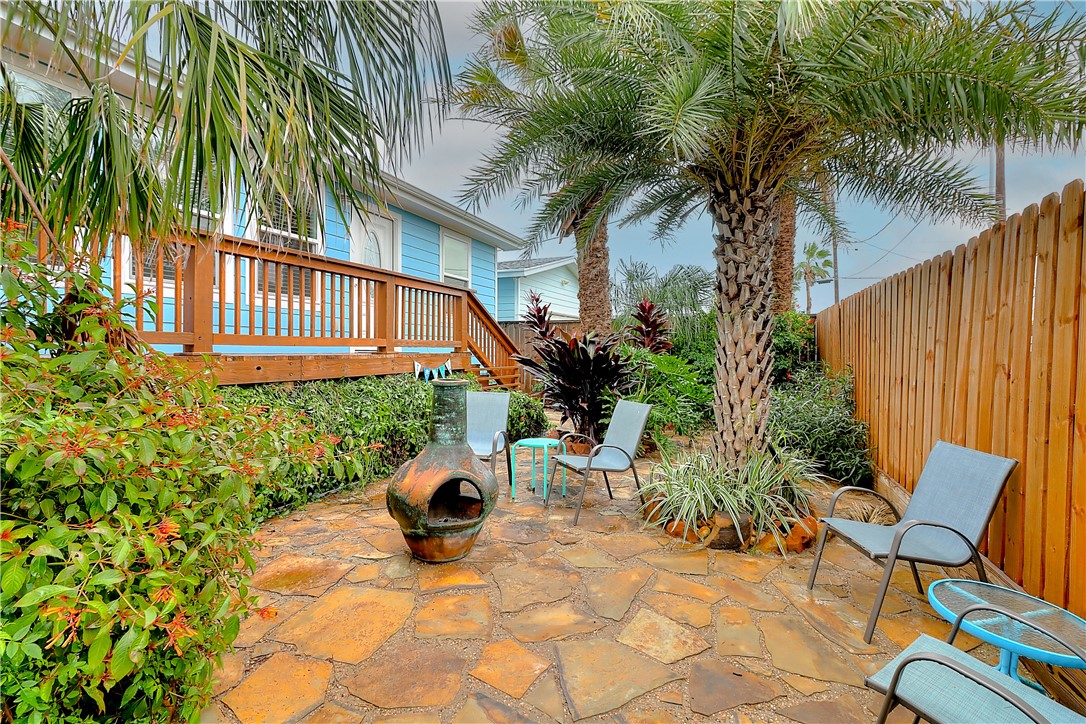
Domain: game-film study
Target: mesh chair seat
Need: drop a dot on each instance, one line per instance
(943, 695)
(922, 543)
(487, 432)
(611, 461)
(481, 443)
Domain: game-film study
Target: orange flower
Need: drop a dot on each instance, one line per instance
(268, 613)
(177, 630)
(162, 595)
(165, 531)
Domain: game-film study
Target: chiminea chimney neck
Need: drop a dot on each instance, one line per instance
(448, 425)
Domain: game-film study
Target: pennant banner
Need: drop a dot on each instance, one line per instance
(433, 373)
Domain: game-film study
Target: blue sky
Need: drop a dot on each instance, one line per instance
(890, 243)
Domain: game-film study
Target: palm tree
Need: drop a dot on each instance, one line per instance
(816, 265)
(510, 73)
(729, 105)
(218, 99)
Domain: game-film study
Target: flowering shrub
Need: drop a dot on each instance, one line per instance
(650, 329)
(129, 495)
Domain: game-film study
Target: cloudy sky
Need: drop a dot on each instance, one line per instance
(889, 243)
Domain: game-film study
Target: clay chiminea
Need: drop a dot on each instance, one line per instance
(441, 498)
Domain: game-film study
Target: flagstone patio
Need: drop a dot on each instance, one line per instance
(544, 621)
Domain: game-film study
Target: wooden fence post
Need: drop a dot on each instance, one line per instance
(386, 317)
(198, 287)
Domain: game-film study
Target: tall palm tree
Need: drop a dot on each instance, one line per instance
(186, 103)
(816, 264)
(501, 82)
(727, 105)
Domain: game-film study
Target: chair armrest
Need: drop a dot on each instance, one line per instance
(562, 439)
(1073, 648)
(990, 684)
(853, 488)
(503, 437)
(910, 524)
(595, 451)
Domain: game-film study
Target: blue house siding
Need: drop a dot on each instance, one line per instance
(337, 229)
(420, 246)
(483, 263)
(508, 309)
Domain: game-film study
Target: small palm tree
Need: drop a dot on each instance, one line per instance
(726, 106)
(816, 265)
(217, 99)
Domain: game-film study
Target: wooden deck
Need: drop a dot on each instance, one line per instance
(303, 316)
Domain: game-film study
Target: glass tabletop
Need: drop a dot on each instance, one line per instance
(543, 442)
(952, 596)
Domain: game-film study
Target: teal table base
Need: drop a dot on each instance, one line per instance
(536, 443)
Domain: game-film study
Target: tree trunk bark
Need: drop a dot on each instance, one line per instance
(594, 280)
(746, 227)
(784, 256)
(807, 283)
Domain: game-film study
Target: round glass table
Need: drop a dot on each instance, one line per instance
(950, 596)
(534, 444)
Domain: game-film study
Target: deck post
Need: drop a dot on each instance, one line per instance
(386, 316)
(460, 323)
(198, 287)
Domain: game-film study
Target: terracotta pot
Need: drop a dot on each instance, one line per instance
(652, 509)
(441, 497)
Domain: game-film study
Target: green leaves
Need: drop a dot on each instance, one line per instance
(43, 593)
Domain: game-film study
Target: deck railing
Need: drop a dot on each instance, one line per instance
(235, 294)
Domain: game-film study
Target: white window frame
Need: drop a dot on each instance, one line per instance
(397, 231)
(253, 229)
(446, 235)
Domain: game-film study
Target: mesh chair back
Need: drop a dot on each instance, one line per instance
(627, 426)
(488, 412)
(960, 487)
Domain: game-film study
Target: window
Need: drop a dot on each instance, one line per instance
(455, 259)
(290, 224)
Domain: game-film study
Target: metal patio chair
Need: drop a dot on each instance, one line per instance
(616, 454)
(943, 524)
(488, 423)
(941, 683)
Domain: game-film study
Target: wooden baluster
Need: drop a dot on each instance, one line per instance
(220, 293)
(460, 323)
(138, 257)
(178, 292)
(342, 305)
(160, 321)
(352, 311)
(237, 293)
(199, 299)
(290, 300)
(250, 270)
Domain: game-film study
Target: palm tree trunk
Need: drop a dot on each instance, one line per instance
(594, 280)
(807, 283)
(784, 256)
(746, 227)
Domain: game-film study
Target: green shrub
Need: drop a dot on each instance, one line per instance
(697, 345)
(815, 413)
(386, 418)
(681, 402)
(129, 497)
(793, 344)
(767, 486)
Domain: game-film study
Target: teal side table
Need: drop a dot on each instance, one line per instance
(536, 444)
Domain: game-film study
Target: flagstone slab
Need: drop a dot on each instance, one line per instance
(399, 566)
(904, 629)
(513, 530)
(714, 686)
(843, 710)
(480, 709)
(347, 624)
(552, 622)
(863, 590)
(677, 608)
(294, 574)
(806, 686)
(343, 548)
(456, 616)
(364, 573)
(228, 673)
(828, 578)
(750, 595)
(835, 619)
(694, 563)
(492, 553)
(389, 541)
(672, 697)
(745, 566)
(531, 551)
(542, 581)
(661, 638)
(509, 667)
(851, 560)
(547, 698)
(670, 583)
(256, 625)
(409, 676)
(283, 688)
(627, 545)
(444, 577)
(795, 648)
(409, 718)
(333, 713)
(611, 594)
(599, 675)
(653, 716)
(736, 634)
(586, 556)
(595, 523)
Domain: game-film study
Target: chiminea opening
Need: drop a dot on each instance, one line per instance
(455, 501)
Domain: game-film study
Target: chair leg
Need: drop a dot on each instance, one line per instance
(916, 579)
(608, 483)
(509, 465)
(980, 569)
(547, 486)
(580, 501)
(637, 484)
(879, 597)
(818, 556)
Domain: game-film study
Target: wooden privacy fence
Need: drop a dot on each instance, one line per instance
(985, 346)
(522, 338)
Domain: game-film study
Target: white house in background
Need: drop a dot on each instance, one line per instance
(553, 278)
